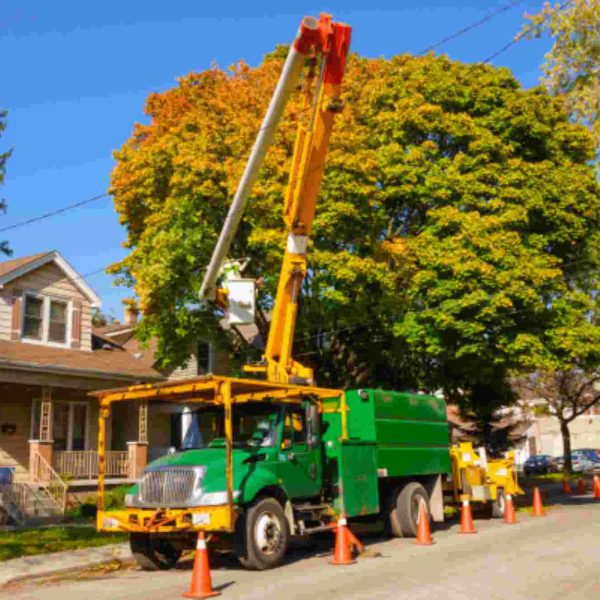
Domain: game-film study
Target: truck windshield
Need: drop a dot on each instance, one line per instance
(253, 425)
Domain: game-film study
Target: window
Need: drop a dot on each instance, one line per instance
(45, 319)
(203, 358)
(33, 319)
(294, 425)
(57, 327)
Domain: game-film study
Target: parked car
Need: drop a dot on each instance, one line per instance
(580, 463)
(539, 465)
(589, 453)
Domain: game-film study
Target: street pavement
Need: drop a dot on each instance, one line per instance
(553, 557)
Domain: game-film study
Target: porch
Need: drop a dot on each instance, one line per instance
(65, 438)
(50, 433)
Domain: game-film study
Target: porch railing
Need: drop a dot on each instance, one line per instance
(50, 481)
(84, 463)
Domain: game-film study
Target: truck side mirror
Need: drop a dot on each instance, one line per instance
(312, 419)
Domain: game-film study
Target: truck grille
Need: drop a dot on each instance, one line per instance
(169, 486)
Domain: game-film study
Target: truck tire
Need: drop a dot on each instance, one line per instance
(262, 535)
(153, 553)
(404, 509)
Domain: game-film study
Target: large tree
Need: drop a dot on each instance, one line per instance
(455, 213)
(572, 65)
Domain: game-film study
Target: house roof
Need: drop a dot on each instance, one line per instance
(99, 363)
(17, 267)
(117, 333)
(8, 266)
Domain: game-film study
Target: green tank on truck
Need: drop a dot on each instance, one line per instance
(294, 472)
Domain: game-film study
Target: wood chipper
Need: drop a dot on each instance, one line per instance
(482, 480)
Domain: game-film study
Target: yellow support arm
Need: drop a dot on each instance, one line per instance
(306, 174)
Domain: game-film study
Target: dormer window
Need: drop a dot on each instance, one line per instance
(45, 319)
(57, 322)
(34, 318)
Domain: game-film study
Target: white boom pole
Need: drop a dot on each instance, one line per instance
(289, 77)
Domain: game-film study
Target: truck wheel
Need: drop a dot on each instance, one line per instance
(262, 535)
(152, 553)
(499, 505)
(404, 509)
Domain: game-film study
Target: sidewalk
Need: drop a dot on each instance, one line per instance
(43, 565)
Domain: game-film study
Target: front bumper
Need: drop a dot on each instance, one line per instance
(144, 520)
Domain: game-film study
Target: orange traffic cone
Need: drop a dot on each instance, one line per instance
(342, 554)
(423, 531)
(538, 507)
(466, 519)
(566, 487)
(596, 487)
(580, 486)
(201, 586)
(510, 516)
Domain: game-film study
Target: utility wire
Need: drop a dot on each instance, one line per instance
(474, 25)
(523, 34)
(53, 213)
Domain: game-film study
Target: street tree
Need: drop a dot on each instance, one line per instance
(566, 395)
(572, 65)
(455, 212)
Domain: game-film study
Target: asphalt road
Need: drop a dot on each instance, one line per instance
(554, 557)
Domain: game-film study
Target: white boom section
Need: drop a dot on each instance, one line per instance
(289, 77)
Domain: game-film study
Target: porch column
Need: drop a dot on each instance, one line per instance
(138, 451)
(41, 448)
(138, 458)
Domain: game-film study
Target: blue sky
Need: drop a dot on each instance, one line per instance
(75, 75)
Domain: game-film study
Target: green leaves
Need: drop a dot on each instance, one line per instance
(457, 224)
(572, 66)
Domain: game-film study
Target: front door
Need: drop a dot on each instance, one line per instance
(69, 424)
(300, 466)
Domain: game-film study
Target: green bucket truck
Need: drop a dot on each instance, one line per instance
(262, 462)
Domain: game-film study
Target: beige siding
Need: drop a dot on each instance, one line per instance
(221, 365)
(48, 280)
(5, 314)
(15, 409)
(190, 369)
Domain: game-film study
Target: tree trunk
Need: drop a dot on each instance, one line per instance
(566, 436)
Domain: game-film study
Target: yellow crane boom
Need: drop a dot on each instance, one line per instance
(326, 45)
(310, 150)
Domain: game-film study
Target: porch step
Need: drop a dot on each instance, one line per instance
(28, 503)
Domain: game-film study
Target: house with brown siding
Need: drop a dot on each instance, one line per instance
(50, 359)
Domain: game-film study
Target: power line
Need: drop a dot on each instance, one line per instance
(53, 213)
(524, 33)
(474, 25)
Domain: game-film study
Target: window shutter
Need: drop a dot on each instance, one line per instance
(76, 324)
(17, 307)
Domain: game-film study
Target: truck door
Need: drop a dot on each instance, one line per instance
(300, 451)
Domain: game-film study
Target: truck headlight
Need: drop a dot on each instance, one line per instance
(129, 500)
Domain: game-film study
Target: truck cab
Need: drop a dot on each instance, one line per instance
(273, 444)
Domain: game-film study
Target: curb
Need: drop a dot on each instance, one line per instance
(30, 568)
